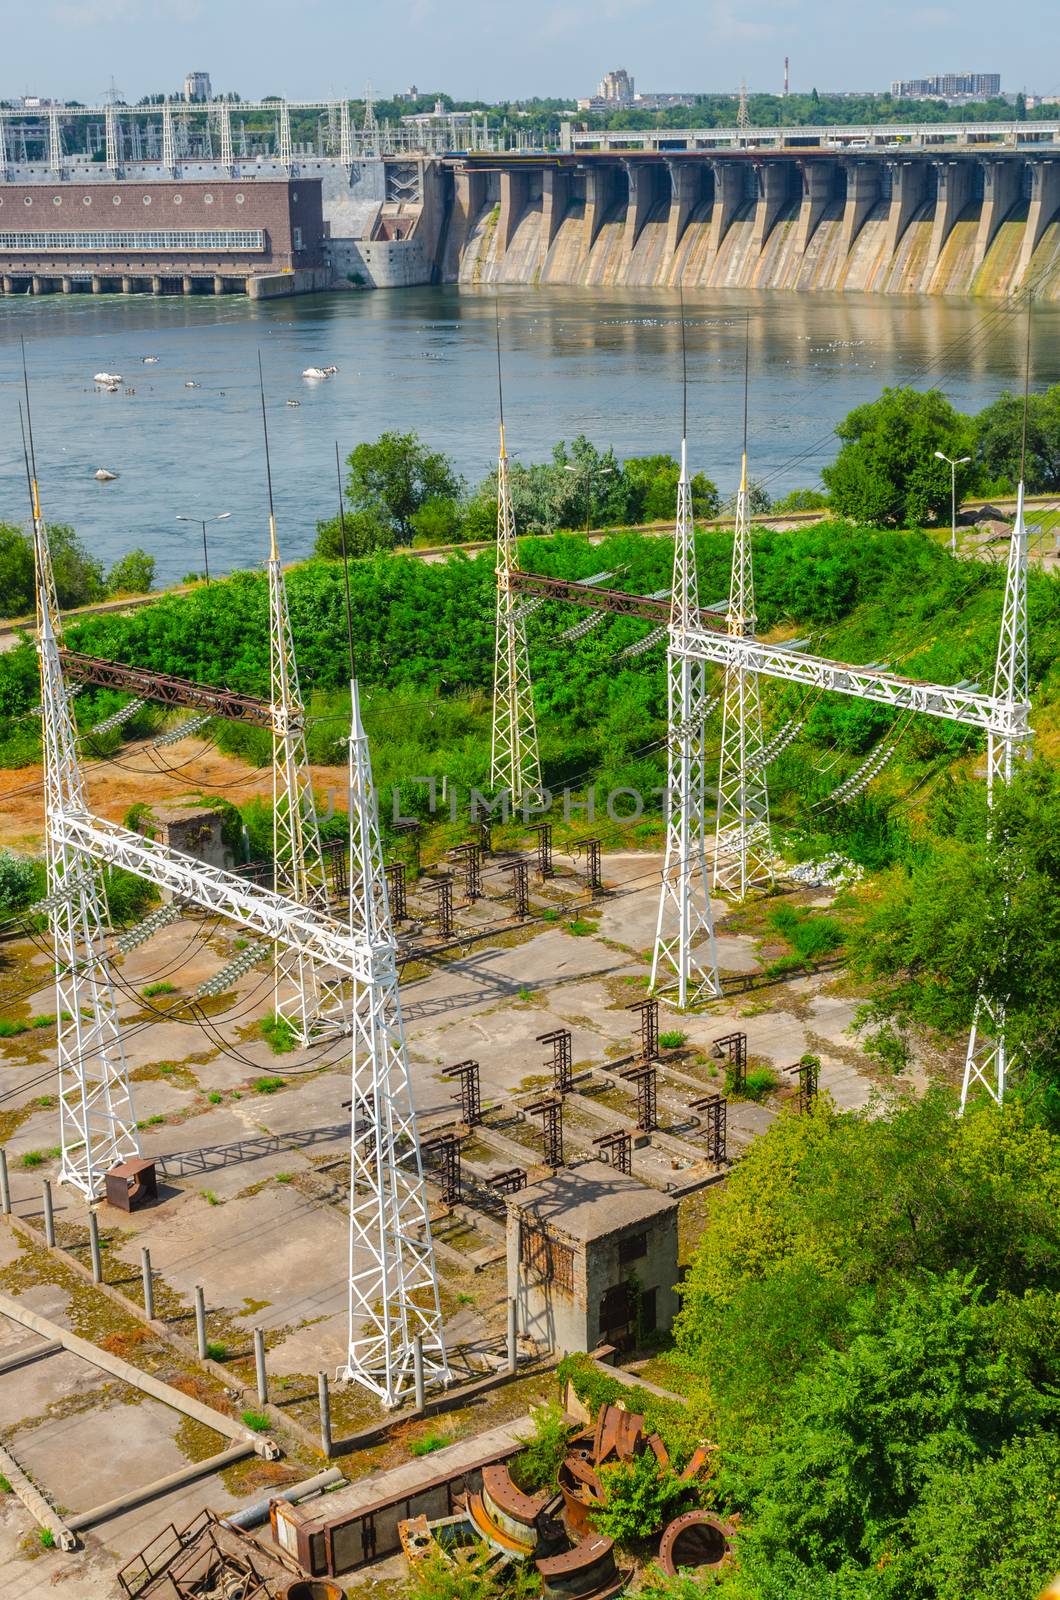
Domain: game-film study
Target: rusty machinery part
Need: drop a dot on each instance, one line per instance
(696, 1540)
(311, 1589)
(587, 1572)
(131, 1185)
(505, 1517)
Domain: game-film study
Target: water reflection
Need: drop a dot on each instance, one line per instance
(606, 363)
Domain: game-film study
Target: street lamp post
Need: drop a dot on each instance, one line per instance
(202, 521)
(587, 474)
(953, 465)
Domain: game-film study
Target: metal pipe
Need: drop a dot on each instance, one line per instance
(325, 1413)
(5, 1184)
(149, 1284)
(151, 1491)
(200, 1320)
(417, 1372)
(93, 1240)
(250, 1516)
(513, 1336)
(49, 1215)
(259, 1366)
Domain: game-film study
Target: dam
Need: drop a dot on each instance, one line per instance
(901, 221)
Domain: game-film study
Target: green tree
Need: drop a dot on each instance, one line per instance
(16, 571)
(999, 441)
(639, 1497)
(134, 573)
(759, 503)
(394, 477)
(651, 484)
(886, 472)
(78, 576)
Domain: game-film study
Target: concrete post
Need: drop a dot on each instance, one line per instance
(863, 193)
(1045, 199)
(555, 198)
(9, 284)
(513, 204)
(149, 1284)
(37, 285)
(156, 285)
(187, 284)
(641, 199)
(325, 1413)
(818, 186)
(513, 1336)
(728, 198)
(259, 1366)
(954, 192)
(93, 1241)
(67, 285)
(772, 198)
(469, 197)
(599, 197)
(126, 285)
(1001, 190)
(685, 189)
(218, 284)
(97, 285)
(200, 1321)
(49, 1216)
(5, 1181)
(417, 1374)
(908, 187)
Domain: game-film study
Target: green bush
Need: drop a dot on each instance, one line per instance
(640, 1496)
(134, 573)
(256, 1421)
(279, 1034)
(19, 879)
(428, 1443)
(268, 1085)
(670, 1419)
(673, 1039)
(539, 1461)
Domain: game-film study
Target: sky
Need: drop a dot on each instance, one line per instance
(72, 49)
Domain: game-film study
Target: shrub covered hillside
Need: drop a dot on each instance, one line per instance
(870, 1331)
(424, 641)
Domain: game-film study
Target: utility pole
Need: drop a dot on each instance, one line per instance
(97, 1121)
(742, 849)
(514, 762)
(953, 465)
(684, 965)
(393, 1285)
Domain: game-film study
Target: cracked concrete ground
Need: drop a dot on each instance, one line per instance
(254, 1190)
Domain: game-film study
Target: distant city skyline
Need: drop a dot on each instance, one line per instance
(72, 49)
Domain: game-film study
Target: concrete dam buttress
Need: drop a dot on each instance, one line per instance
(957, 224)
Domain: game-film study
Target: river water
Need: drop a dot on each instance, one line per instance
(606, 363)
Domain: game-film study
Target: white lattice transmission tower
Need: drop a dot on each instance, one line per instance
(308, 996)
(514, 762)
(393, 1288)
(97, 1122)
(987, 1061)
(743, 859)
(684, 962)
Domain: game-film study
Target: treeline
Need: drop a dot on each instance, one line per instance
(79, 577)
(815, 110)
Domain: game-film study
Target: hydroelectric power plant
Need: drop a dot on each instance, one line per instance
(945, 209)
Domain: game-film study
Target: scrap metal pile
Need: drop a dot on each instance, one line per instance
(556, 1531)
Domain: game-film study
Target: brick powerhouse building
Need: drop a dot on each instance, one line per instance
(212, 235)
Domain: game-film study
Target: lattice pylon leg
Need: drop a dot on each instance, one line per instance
(684, 962)
(97, 1121)
(310, 1000)
(393, 1284)
(514, 762)
(987, 1059)
(743, 855)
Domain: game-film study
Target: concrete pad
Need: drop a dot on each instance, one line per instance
(29, 1391)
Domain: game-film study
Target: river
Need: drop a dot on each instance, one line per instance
(606, 363)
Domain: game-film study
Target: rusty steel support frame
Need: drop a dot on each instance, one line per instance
(734, 1049)
(446, 1146)
(562, 1075)
(411, 830)
(649, 1027)
(470, 1094)
(443, 887)
(469, 857)
(644, 1076)
(520, 886)
(335, 860)
(616, 1149)
(396, 890)
(543, 834)
(550, 1110)
(808, 1073)
(510, 1181)
(715, 1109)
(594, 877)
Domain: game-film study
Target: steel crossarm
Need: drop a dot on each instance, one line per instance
(295, 927)
(999, 716)
(165, 689)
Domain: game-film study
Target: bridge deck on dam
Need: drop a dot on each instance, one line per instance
(962, 221)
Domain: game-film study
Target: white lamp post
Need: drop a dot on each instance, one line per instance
(960, 462)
